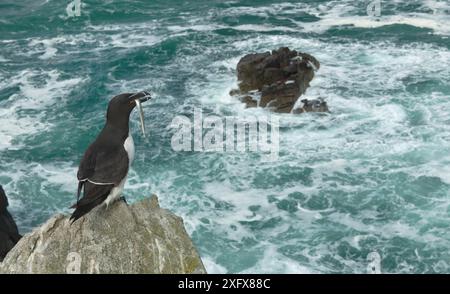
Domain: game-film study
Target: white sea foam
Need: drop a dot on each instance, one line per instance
(366, 125)
(273, 262)
(212, 267)
(49, 50)
(47, 186)
(33, 96)
(263, 28)
(439, 26)
(348, 13)
(439, 7)
(37, 96)
(126, 40)
(195, 27)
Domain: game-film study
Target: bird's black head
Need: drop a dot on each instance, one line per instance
(3, 199)
(120, 107)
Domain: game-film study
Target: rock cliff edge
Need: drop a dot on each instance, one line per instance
(138, 238)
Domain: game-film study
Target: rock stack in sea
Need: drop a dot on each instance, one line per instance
(140, 238)
(276, 80)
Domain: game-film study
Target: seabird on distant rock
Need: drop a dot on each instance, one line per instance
(9, 235)
(315, 105)
(104, 168)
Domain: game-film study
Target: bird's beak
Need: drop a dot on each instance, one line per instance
(144, 96)
(140, 98)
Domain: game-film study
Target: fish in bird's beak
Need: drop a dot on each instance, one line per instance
(140, 98)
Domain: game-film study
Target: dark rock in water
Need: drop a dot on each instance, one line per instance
(139, 238)
(280, 76)
(247, 71)
(281, 97)
(316, 105)
(9, 234)
(235, 92)
(249, 101)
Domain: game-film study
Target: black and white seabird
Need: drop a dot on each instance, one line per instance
(104, 168)
(9, 235)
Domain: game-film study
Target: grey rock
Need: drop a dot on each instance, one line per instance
(140, 238)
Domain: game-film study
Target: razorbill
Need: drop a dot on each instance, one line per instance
(9, 235)
(103, 170)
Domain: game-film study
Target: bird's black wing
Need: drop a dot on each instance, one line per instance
(107, 164)
(93, 195)
(101, 169)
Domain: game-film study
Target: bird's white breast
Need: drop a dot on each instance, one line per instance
(116, 192)
(129, 148)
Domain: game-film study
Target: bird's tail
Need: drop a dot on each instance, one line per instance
(82, 209)
(80, 188)
(93, 196)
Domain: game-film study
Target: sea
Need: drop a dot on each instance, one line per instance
(367, 183)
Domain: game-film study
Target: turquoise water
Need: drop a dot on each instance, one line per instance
(372, 176)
